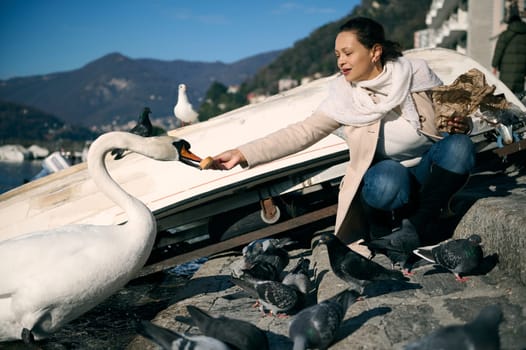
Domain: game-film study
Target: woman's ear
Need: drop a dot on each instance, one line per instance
(377, 52)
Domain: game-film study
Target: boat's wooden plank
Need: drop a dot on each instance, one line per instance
(241, 240)
(511, 148)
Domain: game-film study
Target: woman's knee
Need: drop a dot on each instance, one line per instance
(386, 185)
(457, 154)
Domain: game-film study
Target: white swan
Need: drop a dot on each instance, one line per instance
(183, 109)
(49, 278)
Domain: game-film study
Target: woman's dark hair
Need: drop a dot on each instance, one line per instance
(369, 33)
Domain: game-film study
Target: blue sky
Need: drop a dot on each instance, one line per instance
(47, 36)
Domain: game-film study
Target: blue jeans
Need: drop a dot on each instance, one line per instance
(387, 185)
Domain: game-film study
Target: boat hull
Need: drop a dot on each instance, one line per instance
(179, 195)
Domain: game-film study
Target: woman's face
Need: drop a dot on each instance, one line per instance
(355, 61)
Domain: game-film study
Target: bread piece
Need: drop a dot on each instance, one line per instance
(206, 163)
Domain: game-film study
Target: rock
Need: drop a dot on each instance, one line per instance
(38, 152)
(501, 223)
(13, 153)
(495, 202)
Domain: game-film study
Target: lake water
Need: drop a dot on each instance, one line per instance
(14, 174)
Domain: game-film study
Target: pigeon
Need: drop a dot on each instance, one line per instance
(298, 277)
(460, 256)
(275, 297)
(142, 128)
(398, 247)
(260, 246)
(183, 109)
(480, 334)
(266, 265)
(274, 253)
(261, 270)
(503, 120)
(236, 333)
(354, 268)
(316, 326)
(171, 340)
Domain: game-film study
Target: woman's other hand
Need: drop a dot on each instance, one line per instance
(459, 125)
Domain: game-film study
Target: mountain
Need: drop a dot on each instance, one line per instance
(315, 53)
(114, 88)
(25, 125)
(314, 56)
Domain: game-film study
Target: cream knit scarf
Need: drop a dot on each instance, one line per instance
(350, 104)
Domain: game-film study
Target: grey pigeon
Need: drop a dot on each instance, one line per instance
(275, 254)
(397, 246)
(317, 325)
(260, 270)
(266, 264)
(143, 128)
(480, 334)
(354, 268)
(171, 340)
(275, 297)
(298, 276)
(238, 334)
(262, 245)
(460, 256)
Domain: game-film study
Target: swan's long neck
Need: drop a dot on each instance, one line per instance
(135, 210)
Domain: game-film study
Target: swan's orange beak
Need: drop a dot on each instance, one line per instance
(188, 157)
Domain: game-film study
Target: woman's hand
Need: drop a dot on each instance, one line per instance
(459, 125)
(229, 159)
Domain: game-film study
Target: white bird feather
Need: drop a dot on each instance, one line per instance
(183, 109)
(49, 278)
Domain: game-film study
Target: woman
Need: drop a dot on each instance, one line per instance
(398, 159)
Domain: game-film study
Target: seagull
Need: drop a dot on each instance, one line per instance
(459, 256)
(397, 246)
(238, 334)
(354, 268)
(171, 340)
(49, 278)
(481, 333)
(317, 325)
(143, 128)
(183, 109)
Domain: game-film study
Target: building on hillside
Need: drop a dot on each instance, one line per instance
(253, 98)
(233, 89)
(468, 26)
(286, 84)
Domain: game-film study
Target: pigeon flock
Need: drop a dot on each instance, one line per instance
(263, 274)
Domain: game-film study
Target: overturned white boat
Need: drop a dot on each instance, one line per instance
(190, 204)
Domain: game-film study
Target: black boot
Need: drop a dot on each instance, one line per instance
(434, 195)
(380, 221)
